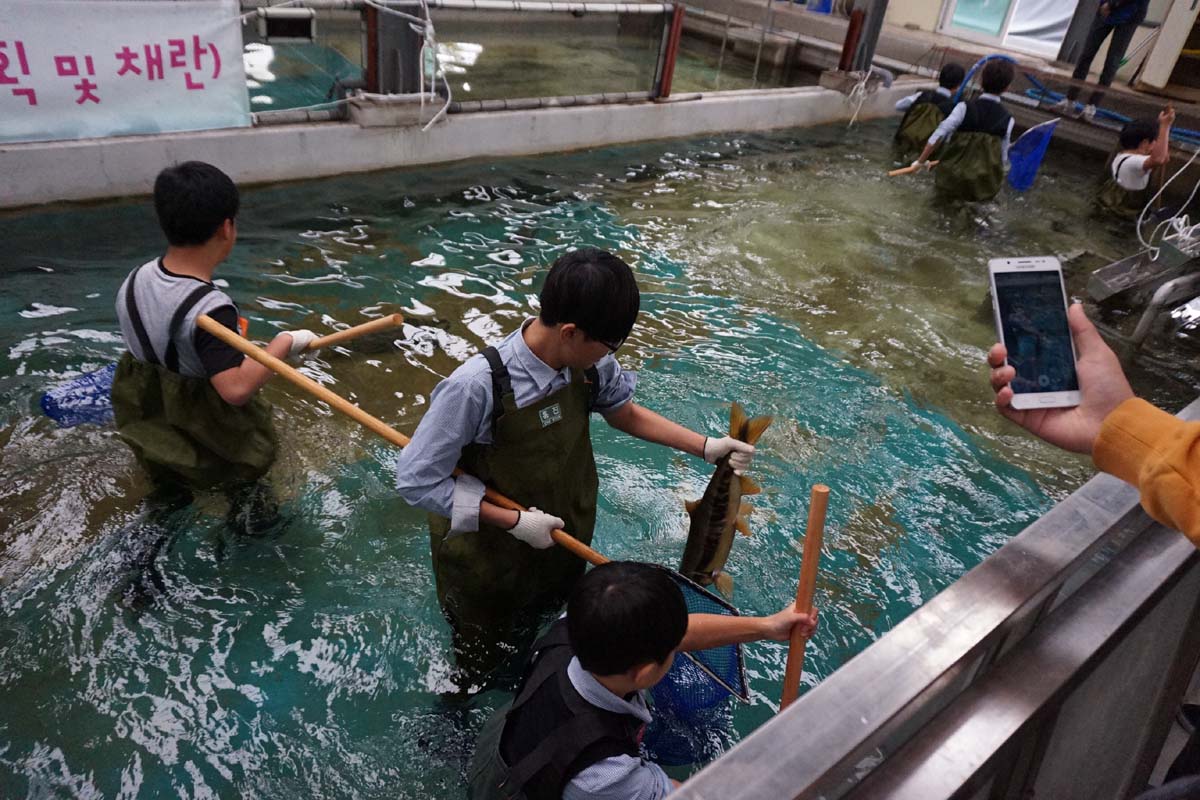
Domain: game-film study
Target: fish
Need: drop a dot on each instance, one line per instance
(721, 511)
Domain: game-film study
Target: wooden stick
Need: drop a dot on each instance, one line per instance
(818, 502)
(375, 325)
(294, 376)
(911, 168)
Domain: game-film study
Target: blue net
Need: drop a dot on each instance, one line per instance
(86, 399)
(691, 704)
(1025, 156)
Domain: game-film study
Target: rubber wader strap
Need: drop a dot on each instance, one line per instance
(592, 375)
(171, 361)
(135, 319)
(1117, 168)
(501, 383)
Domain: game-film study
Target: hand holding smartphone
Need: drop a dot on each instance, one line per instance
(1030, 305)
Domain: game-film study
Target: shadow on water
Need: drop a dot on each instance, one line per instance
(148, 651)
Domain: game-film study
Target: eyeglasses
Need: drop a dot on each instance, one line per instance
(613, 347)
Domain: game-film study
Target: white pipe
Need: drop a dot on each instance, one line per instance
(480, 5)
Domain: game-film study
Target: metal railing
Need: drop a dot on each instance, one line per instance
(1052, 670)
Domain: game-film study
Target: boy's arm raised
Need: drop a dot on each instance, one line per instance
(714, 630)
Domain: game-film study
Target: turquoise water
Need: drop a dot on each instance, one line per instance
(780, 270)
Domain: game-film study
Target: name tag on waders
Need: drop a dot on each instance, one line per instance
(550, 415)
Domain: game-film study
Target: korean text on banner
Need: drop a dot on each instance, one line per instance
(72, 70)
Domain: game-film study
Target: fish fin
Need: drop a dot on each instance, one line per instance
(691, 505)
(755, 428)
(737, 420)
(745, 509)
(742, 526)
(724, 584)
(749, 486)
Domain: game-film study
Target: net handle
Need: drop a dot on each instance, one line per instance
(373, 424)
(817, 504)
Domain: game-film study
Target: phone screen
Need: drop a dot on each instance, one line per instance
(1033, 317)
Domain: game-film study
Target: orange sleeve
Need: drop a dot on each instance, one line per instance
(1160, 455)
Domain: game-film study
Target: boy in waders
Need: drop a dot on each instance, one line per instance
(924, 111)
(574, 728)
(976, 137)
(1144, 147)
(516, 417)
(183, 400)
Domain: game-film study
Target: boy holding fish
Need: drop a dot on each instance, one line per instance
(517, 418)
(574, 728)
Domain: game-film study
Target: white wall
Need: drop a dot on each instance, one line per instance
(920, 14)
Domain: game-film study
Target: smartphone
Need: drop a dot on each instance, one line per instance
(1030, 304)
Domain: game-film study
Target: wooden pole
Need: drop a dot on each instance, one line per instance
(337, 403)
(910, 169)
(817, 504)
(374, 326)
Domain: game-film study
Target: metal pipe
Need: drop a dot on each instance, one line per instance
(768, 17)
(527, 103)
(663, 89)
(293, 116)
(721, 58)
(853, 30)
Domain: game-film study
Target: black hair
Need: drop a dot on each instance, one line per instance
(192, 200)
(1137, 131)
(624, 614)
(997, 75)
(593, 289)
(951, 76)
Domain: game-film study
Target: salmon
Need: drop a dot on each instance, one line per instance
(720, 512)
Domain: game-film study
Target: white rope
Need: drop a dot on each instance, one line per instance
(859, 93)
(1180, 228)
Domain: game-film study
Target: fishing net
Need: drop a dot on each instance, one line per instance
(691, 710)
(86, 399)
(1025, 156)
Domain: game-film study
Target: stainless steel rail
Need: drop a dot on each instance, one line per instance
(1001, 683)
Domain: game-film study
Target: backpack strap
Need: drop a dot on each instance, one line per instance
(135, 319)
(171, 359)
(501, 383)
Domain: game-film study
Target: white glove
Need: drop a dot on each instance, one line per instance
(301, 339)
(740, 454)
(533, 528)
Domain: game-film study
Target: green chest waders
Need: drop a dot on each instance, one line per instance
(915, 129)
(179, 427)
(488, 582)
(1114, 201)
(970, 167)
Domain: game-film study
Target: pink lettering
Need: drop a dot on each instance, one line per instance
(191, 85)
(154, 61)
(67, 66)
(85, 88)
(5, 62)
(178, 51)
(129, 61)
(29, 95)
(216, 61)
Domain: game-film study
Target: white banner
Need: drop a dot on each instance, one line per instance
(76, 70)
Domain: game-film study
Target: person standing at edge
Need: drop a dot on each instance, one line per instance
(184, 401)
(516, 417)
(1120, 18)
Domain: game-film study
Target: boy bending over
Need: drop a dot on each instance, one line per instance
(574, 729)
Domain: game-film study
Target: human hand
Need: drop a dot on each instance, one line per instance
(533, 527)
(301, 339)
(778, 627)
(1102, 387)
(1105, 9)
(1166, 117)
(740, 454)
